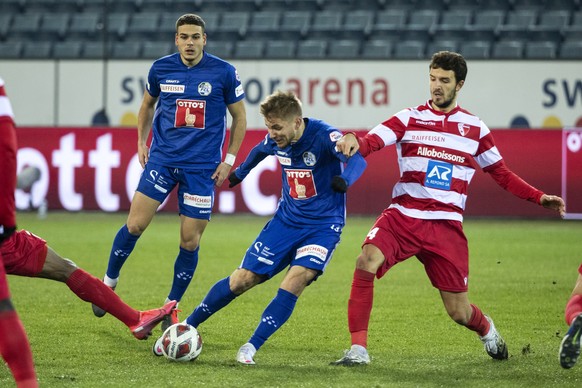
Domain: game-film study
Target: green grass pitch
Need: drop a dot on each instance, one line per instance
(522, 273)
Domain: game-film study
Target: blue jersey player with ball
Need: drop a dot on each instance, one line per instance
(306, 228)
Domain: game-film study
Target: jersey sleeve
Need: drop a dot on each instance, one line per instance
(233, 89)
(257, 154)
(511, 182)
(152, 85)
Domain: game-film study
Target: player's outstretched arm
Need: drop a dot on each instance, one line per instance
(553, 202)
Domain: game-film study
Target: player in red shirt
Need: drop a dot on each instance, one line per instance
(22, 253)
(570, 346)
(439, 145)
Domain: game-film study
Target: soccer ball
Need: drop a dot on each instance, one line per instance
(181, 342)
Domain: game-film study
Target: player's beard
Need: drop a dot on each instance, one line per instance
(447, 102)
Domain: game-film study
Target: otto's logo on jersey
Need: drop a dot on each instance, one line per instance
(439, 175)
(190, 113)
(301, 184)
(165, 88)
(309, 159)
(204, 88)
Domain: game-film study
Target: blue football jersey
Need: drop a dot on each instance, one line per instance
(189, 125)
(308, 167)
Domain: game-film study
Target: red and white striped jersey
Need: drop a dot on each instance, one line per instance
(8, 151)
(437, 156)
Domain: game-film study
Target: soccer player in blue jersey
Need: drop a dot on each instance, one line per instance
(193, 91)
(311, 214)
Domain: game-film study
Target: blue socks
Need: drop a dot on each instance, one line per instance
(184, 268)
(274, 316)
(122, 247)
(219, 296)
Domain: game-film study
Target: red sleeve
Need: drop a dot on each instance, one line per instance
(8, 176)
(368, 143)
(513, 183)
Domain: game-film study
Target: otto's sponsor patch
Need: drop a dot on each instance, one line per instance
(301, 184)
(190, 113)
(313, 250)
(199, 201)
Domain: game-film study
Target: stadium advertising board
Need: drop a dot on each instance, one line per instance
(348, 94)
(98, 169)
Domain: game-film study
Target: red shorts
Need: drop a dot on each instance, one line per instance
(4, 291)
(23, 253)
(440, 245)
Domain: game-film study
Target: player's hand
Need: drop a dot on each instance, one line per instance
(339, 184)
(348, 145)
(221, 173)
(553, 202)
(233, 180)
(143, 152)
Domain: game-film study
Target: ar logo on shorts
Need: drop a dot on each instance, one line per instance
(439, 175)
(204, 88)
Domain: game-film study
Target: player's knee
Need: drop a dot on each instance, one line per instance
(135, 228)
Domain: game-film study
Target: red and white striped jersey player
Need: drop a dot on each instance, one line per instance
(439, 145)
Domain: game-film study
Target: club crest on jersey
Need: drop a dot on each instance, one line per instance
(204, 88)
(463, 129)
(439, 175)
(309, 159)
(301, 183)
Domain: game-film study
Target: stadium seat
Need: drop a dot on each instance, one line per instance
(550, 26)
(456, 20)
(530, 5)
(5, 21)
(67, 49)
(541, 50)
(126, 50)
(571, 49)
(144, 25)
(463, 5)
(518, 24)
(377, 49)
(264, 25)
(276, 5)
(84, 26)
(116, 25)
(95, 50)
(159, 6)
(485, 25)
(509, 49)
(10, 50)
(249, 49)
(357, 24)
(325, 24)
(222, 49)
(312, 49)
(68, 6)
(280, 49)
(42, 6)
(442, 45)
(344, 49)
(389, 24)
(12, 7)
(410, 49)
(54, 26)
(37, 50)
(339, 5)
(303, 5)
(232, 26)
(294, 24)
(129, 6)
(25, 25)
(494, 5)
(475, 49)
(435, 5)
(155, 50)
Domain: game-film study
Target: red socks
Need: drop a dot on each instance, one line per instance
(478, 322)
(360, 306)
(15, 350)
(573, 308)
(93, 290)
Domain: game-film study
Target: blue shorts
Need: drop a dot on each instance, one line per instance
(280, 245)
(195, 188)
